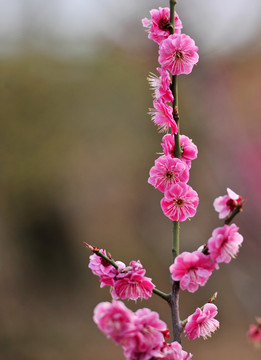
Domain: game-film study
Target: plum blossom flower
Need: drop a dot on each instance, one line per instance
(131, 283)
(191, 269)
(254, 332)
(224, 244)
(161, 85)
(162, 116)
(159, 24)
(172, 351)
(115, 320)
(104, 269)
(202, 322)
(224, 205)
(168, 171)
(178, 54)
(148, 337)
(189, 150)
(180, 202)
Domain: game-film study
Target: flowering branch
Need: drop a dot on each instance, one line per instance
(110, 261)
(210, 301)
(236, 209)
(142, 334)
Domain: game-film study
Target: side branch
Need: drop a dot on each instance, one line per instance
(97, 251)
(161, 294)
(227, 221)
(237, 210)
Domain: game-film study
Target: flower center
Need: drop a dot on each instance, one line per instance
(179, 55)
(169, 175)
(232, 204)
(224, 242)
(179, 202)
(164, 24)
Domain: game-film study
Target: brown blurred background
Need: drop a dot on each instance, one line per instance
(76, 149)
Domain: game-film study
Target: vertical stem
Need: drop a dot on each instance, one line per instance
(174, 305)
(174, 296)
(172, 4)
(175, 249)
(174, 89)
(176, 114)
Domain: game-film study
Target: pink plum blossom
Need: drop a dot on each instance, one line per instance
(172, 351)
(115, 320)
(178, 54)
(104, 269)
(161, 85)
(202, 322)
(224, 244)
(180, 202)
(148, 336)
(224, 205)
(162, 116)
(159, 24)
(131, 283)
(188, 148)
(191, 269)
(254, 332)
(168, 171)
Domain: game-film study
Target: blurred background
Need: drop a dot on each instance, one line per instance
(75, 151)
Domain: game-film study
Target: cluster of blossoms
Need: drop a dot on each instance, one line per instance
(126, 282)
(170, 174)
(193, 269)
(141, 334)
